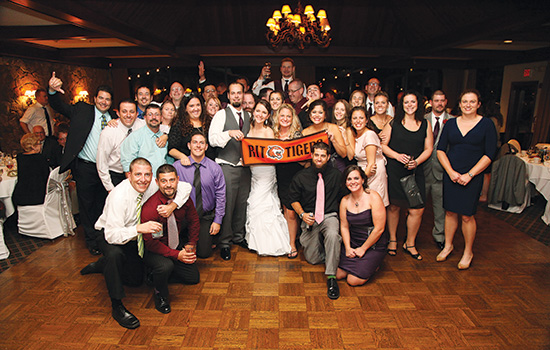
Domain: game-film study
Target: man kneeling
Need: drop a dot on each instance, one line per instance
(169, 255)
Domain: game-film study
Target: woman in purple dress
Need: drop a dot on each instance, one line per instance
(362, 226)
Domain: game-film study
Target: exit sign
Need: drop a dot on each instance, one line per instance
(526, 72)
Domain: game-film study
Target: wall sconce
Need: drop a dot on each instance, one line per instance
(81, 97)
(29, 97)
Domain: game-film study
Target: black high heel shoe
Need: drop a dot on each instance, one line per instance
(415, 256)
(392, 252)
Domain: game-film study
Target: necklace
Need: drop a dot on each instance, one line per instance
(357, 201)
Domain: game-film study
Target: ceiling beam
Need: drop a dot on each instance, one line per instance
(125, 51)
(265, 51)
(33, 52)
(83, 17)
(58, 32)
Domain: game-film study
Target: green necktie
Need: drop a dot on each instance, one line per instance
(140, 244)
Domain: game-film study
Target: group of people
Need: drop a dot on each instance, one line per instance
(158, 192)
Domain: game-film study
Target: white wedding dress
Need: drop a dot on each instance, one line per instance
(266, 227)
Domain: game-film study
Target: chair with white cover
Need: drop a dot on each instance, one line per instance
(53, 218)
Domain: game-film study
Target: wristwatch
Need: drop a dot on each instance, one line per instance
(301, 215)
(470, 174)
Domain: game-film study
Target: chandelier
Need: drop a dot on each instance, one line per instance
(299, 29)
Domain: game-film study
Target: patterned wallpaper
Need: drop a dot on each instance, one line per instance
(19, 75)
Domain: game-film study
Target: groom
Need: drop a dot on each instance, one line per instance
(229, 126)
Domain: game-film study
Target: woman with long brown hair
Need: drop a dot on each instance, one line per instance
(191, 116)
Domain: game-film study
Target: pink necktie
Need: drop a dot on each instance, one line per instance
(173, 234)
(320, 201)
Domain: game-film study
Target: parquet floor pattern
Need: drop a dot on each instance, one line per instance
(252, 302)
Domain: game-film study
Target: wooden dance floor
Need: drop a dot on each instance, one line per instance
(251, 302)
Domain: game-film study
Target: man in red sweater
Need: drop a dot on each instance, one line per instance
(171, 253)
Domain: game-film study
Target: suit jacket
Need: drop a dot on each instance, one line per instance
(52, 152)
(432, 167)
(82, 116)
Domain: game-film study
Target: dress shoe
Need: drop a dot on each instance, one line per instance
(333, 292)
(442, 256)
(94, 250)
(440, 245)
(161, 303)
(225, 253)
(243, 244)
(125, 317)
(464, 264)
(94, 267)
(416, 256)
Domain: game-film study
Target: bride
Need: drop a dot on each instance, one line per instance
(266, 228)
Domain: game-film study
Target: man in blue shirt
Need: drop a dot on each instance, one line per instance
(142, 142)
(80, 152)
(209, 176)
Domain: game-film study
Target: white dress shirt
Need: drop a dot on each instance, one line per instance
(390, 111)
(34, 115)
(108, 150)
(119, 218)
(219, 138)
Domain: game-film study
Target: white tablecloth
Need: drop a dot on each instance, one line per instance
(6, 190)
(539, 175)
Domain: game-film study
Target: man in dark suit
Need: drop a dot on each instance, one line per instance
(433, 171)
(87, 121)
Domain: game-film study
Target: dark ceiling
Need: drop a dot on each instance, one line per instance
(390, 33)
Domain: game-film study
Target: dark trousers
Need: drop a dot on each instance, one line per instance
(91, 198)
(204, 245)
(116, 178)
(121, 265)
(168, 270)
(237, 186)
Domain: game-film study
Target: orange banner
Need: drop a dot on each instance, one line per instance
(268, 151)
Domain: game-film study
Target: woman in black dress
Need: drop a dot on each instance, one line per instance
(32, 173)
(362, 224)
(192, 116)
(466, 148)
(408, 143)
(286, 126)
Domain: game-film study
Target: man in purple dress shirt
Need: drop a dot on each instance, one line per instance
(212, 191)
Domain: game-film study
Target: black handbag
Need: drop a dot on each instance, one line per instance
(412, 192)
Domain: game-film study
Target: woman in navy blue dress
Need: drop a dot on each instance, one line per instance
(466, 148)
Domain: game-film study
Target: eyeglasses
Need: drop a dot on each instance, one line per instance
(293, 91)
(209, 90)
(373, 84)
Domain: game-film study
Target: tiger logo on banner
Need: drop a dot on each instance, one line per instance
(270, 151)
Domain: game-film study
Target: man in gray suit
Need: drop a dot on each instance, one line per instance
(229, 126)
(433, 170)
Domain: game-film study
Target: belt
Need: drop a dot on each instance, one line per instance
(85, 161)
